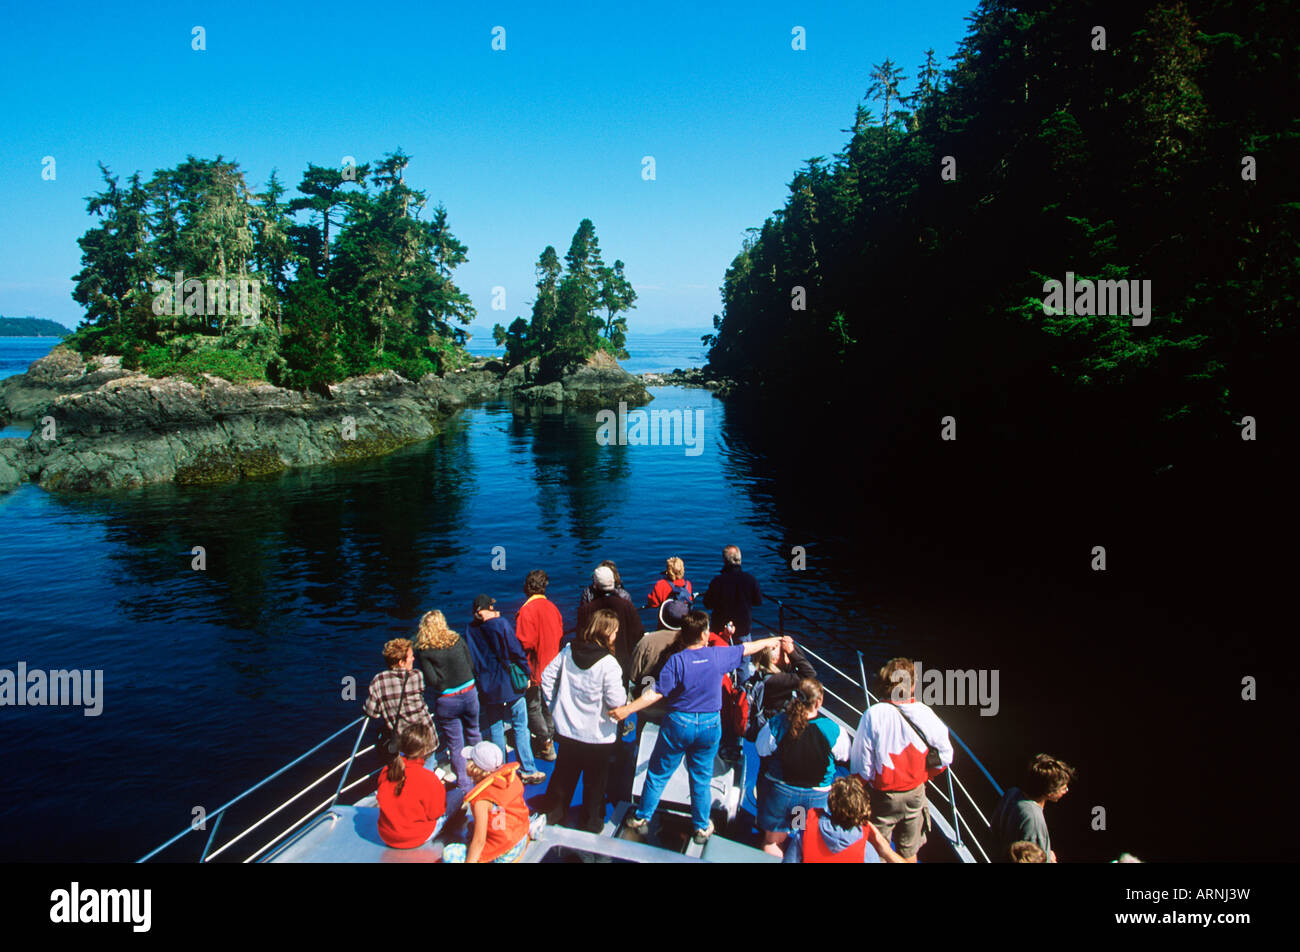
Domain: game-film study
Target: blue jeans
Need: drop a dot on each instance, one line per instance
(493, 722)
(695, 737)
(457, 718)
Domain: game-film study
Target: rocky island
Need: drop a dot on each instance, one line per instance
(97, 426)
(698, 377)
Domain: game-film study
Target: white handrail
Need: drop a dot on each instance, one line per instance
(293, 826)
(972, 801)
(841, 700)
(285, 804)
(854, 681)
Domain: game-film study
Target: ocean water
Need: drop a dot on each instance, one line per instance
(648, 353)
(16, 354)
(213, 679)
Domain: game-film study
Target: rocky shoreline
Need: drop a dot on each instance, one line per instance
(690, 377)
(99, 427)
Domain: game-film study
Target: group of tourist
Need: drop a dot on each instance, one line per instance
(706, 682)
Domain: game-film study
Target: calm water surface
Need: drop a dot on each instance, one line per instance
(215, 678)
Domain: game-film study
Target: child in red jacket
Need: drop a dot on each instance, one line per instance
(412, 799)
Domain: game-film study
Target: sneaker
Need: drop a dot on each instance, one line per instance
(446, 774)
(535, 777)
(635, 824)
(547, 752)
(536, 823)
(702, 836)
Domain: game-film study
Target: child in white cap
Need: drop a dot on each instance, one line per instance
(497, 807)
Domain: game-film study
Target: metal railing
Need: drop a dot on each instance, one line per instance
(345, 766)
(217, 815)
(959, 821)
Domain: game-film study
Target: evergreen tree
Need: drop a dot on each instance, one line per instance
(117, 266)
(324, 191)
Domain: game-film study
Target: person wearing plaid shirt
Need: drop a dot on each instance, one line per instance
(397, 695)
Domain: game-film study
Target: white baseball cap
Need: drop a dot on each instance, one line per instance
(485, 755)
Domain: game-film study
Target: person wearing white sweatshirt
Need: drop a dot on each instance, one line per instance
(581, 685)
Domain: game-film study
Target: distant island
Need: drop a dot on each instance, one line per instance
(31, 327)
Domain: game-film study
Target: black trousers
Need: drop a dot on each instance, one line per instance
(574, 759)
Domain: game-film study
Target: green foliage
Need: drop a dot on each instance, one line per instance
(236, 364)
(311, 346)
(363, 285)
(567, 324)
(516, 340)
(1120, 165)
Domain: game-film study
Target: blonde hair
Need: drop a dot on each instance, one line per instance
(765, 661)
(676, 569)
(434, 632)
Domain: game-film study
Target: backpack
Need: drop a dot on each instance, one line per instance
(678, 593)
(735, 708)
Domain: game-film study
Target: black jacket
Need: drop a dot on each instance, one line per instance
(629, 625)
(730, 596)
(445, 668)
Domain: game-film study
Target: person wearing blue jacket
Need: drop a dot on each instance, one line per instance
(495, 648)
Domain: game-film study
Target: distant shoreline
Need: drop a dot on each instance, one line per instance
(22, 327)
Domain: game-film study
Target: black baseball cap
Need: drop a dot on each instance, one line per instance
(483, 601)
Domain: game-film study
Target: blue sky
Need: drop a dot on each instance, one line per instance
(519, 144)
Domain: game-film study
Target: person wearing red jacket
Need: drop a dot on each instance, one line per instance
(674, 577)
(412, 800)
(842, 833)
(539, 628)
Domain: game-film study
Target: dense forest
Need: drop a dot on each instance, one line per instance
(908, 272)
(192, 272)
(30, 327)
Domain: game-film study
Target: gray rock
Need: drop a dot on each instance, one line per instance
(115, 429)
(601, 382)
(691, 377)
(550, 394)
(15, 463)
(61, 371)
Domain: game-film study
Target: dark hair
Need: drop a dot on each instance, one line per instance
(601, 627)
(806, 697)
(413, 740)
(1045, 775)
(618, 579)
(693, 625)
(536, 582)
(848, 804)
(1023, 851)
